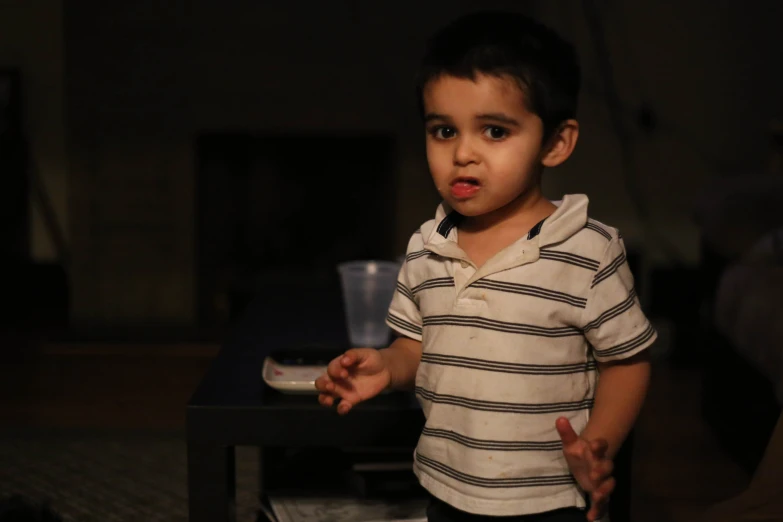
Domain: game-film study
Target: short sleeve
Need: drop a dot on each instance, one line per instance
(613, 321)
(404, 316)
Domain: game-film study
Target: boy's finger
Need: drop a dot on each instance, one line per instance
(602, 471)
(599, 498)
(324, 384)
(336, 370)
(326, 400)
(598, 447)
(351, 357)
(344, 407)
(606, 488)
(566, 431)
(596, 510)
(354, 357)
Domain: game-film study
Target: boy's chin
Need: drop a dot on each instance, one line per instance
(470, 207)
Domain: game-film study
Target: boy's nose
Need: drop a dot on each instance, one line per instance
(464, 152)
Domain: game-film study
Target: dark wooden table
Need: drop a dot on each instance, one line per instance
(233, 406)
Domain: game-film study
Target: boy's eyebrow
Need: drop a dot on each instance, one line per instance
(498, 116)
(493, 116)
(435, 116)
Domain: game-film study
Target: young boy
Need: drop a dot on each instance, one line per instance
(509, 306)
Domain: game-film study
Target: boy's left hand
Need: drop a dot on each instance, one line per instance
(589, 466)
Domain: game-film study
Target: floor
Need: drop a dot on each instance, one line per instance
(119, 454)
(110, 476)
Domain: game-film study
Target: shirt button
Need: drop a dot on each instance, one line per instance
(463, 264)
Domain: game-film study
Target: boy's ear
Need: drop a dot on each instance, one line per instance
(561, 144)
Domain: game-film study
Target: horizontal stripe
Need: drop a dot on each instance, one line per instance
(438, 282)
(597, 228)
(610, 269)
(612, 312)
(495, 445)
(496, 366)
(486, 482)
(571, 259)
(416, 255)
(403, 324)
(628, 346)
(401, 288)
(502, 407)
(533, 291)
(501, 326)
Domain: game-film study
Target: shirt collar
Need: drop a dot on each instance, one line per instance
(569, 218)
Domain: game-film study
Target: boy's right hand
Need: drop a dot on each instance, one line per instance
(357, 375)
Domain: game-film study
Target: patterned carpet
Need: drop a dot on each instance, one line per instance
(111, 477)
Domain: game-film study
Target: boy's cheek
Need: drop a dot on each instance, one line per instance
(441, 172)
(438, 163)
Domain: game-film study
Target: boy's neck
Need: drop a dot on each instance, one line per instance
(520, 215)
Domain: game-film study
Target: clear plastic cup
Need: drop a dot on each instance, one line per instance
(368, 288)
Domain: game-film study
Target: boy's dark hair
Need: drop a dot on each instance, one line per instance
(508, 44)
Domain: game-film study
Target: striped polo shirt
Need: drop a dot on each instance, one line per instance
(509, 348)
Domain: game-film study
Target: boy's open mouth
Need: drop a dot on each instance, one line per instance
(464, 187)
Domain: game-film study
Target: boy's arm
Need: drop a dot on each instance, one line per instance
(619, 395)
(620, 336)
(402, 359)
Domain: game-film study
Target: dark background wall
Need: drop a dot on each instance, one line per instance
(117, 96)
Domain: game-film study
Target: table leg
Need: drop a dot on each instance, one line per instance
(211, 482)
(261, 476)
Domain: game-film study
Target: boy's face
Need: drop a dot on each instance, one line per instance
(483, 145)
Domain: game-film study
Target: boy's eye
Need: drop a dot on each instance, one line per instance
(443, 132)
(495, 132)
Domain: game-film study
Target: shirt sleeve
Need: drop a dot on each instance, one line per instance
(404, 316)
(613, 321)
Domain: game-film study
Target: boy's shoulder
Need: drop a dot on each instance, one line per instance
(419, 237)
(606, 232)
(592, 241)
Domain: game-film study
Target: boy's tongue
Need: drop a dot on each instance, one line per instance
(464, 189)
